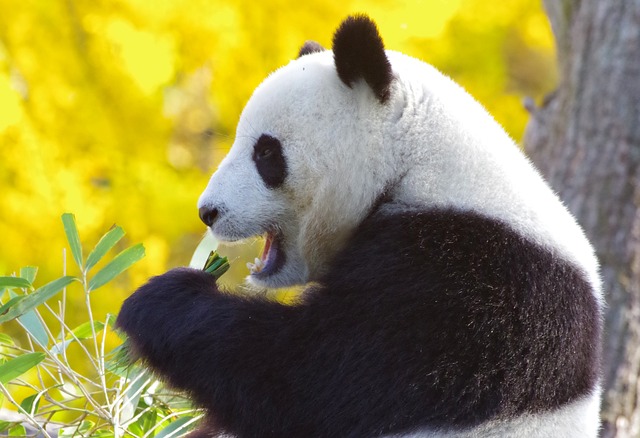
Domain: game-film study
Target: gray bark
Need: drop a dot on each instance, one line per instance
(585, 138)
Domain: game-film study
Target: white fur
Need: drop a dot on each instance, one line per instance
(577, 420)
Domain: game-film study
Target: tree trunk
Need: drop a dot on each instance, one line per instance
(585, 138)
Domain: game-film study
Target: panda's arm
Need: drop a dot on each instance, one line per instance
(232, 354)
(304, 370)
(185, 329)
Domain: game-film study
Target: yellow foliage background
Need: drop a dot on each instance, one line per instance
(119, 110)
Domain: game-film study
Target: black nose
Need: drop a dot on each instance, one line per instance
(208, 215)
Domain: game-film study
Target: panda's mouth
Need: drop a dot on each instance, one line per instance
(272, 258)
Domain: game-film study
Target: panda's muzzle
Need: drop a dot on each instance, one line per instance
(208, 215)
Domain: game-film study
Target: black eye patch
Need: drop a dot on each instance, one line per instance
(270, 162)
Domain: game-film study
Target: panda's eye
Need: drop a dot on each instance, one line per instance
(263, 153)
(269, 160)
(266, 147)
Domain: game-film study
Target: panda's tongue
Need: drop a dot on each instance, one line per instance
(267, 247)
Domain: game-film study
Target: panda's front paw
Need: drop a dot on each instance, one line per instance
(161, 311)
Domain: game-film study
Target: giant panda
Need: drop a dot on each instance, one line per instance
(449, 293)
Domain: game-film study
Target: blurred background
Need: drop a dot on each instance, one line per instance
(119, 111)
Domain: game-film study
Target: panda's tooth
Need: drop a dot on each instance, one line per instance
(255, 267)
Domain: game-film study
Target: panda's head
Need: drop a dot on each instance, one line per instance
(308, 161)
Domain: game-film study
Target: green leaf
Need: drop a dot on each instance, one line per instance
(83, 331)
(119, 361)
(216, 265)
(148, 420)
(18, 430)
(29, 320)
(5, 425)
(6, 339)
(31, 404)
(19, 365)
(59, 347)
(175, 429)
(102, 433)
(12, 302)
(34, 327)
(120, 263)
(135, 429)
(37, 297)
(11, 282)
(107, 242)
(76, 430)
(70, 229)
(29, 272)
(140, 379)
(219, 272)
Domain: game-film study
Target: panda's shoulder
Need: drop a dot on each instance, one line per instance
(446, 244)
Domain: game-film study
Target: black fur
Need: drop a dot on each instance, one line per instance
(310, 47)
(270, 161)
(358, 51)
(441, 318)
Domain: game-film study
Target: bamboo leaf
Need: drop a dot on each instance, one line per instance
(107, 242)
(119, 360)
(85, 331)
(19, 365)
(29, 320)
(176, 428)
(102, 433)
(6, 339)
(219, 272)
(139, 380)
(11, 282)
(34, 327)
(12, 302)
(31, 404)
(148, 420)
(70, 229)
(60, 346)
(120, 263)
(18, 431)
(5, 425)
(37, 297)
(76, 430)
(29, 272)
(216, 265)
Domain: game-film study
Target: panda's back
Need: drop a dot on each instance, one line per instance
(495, 335)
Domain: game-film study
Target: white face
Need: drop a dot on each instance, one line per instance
(305, 168)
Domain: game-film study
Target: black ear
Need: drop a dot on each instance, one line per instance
(358, 52)
(310, 47)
